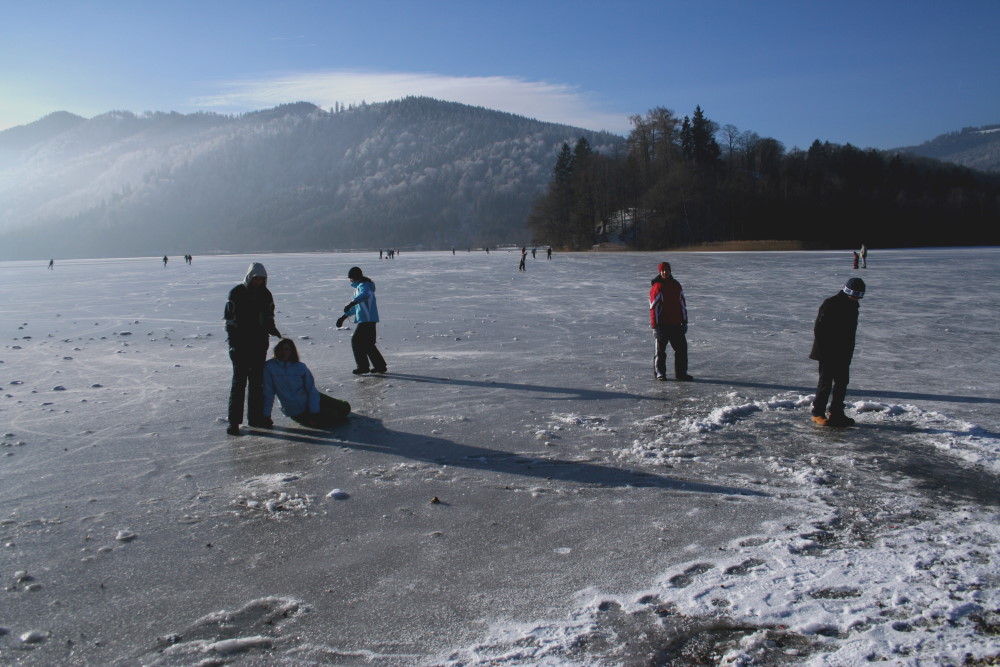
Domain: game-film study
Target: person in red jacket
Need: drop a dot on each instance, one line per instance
(668, 318)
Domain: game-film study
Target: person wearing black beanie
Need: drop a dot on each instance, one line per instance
(833, 347)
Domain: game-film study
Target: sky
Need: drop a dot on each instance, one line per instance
(875, 73)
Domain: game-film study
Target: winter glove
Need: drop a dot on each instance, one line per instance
(340, 321)
(348, 307)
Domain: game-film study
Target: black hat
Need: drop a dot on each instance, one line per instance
(855, 287)
(355, 273)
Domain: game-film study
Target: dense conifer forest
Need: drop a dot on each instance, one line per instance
(684, 181)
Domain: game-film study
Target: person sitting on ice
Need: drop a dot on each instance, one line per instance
(292, 382)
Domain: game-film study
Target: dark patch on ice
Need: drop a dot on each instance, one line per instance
(745, 567)
(835, 593)
(939, 474)
(657, 636)
(684, 579)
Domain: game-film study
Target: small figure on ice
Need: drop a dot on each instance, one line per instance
(833, 347)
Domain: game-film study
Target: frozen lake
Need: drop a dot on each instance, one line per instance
(519, 489)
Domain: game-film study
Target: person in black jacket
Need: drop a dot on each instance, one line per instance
(833, 347)
(249, 319)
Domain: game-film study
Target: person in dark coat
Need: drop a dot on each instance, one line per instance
(249, 316)
(668, 317)
(833, 347)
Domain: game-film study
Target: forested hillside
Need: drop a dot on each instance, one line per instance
(415, 172)
(973, 147)
(687, 181)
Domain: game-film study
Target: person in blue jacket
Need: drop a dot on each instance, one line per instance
(288, 379)
(365, 311)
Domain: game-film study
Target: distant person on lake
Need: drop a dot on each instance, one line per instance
(288, 379)
(855, 259)
(249, 316)
(548, 253)
(524, 258)
(164, 260)
(833, 347)
(864, 256)
(364, 308)
(668, 317)
(52, 263)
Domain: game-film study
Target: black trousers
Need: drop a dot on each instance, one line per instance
(673, 334)
(332, 411)
(832, 386)
(363, 345)
(248, 383)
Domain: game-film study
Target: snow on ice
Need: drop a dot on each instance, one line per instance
(518, 489)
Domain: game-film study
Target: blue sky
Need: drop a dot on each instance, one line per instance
(876, 73)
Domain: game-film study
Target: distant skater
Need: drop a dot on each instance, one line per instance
(364, 308)
(52, 263)
(288, 379)
(164, 261)
(548, 253)
(524, 258)
(249, 316)
(533, 251)
(864, 256)
(668, 317)
(833, 347)
(855, 259)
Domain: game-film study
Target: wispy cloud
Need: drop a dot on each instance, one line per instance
(551, 102)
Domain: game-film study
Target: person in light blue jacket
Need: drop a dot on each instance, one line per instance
(365, 311)
(292, 382)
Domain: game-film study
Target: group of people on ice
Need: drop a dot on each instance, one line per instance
(249, 316)
(861, 255)
(834, 333)
(257, 381)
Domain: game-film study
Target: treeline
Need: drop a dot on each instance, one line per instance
(684, 181)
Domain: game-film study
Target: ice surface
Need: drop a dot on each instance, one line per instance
(518, 489)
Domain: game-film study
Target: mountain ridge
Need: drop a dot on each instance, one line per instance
(974, 147)
(413, 172)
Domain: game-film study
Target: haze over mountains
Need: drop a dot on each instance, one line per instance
(416, 172)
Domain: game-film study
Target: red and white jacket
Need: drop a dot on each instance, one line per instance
(666, 303)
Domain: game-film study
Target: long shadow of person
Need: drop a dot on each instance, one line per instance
(557, 393)
(368, 434)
